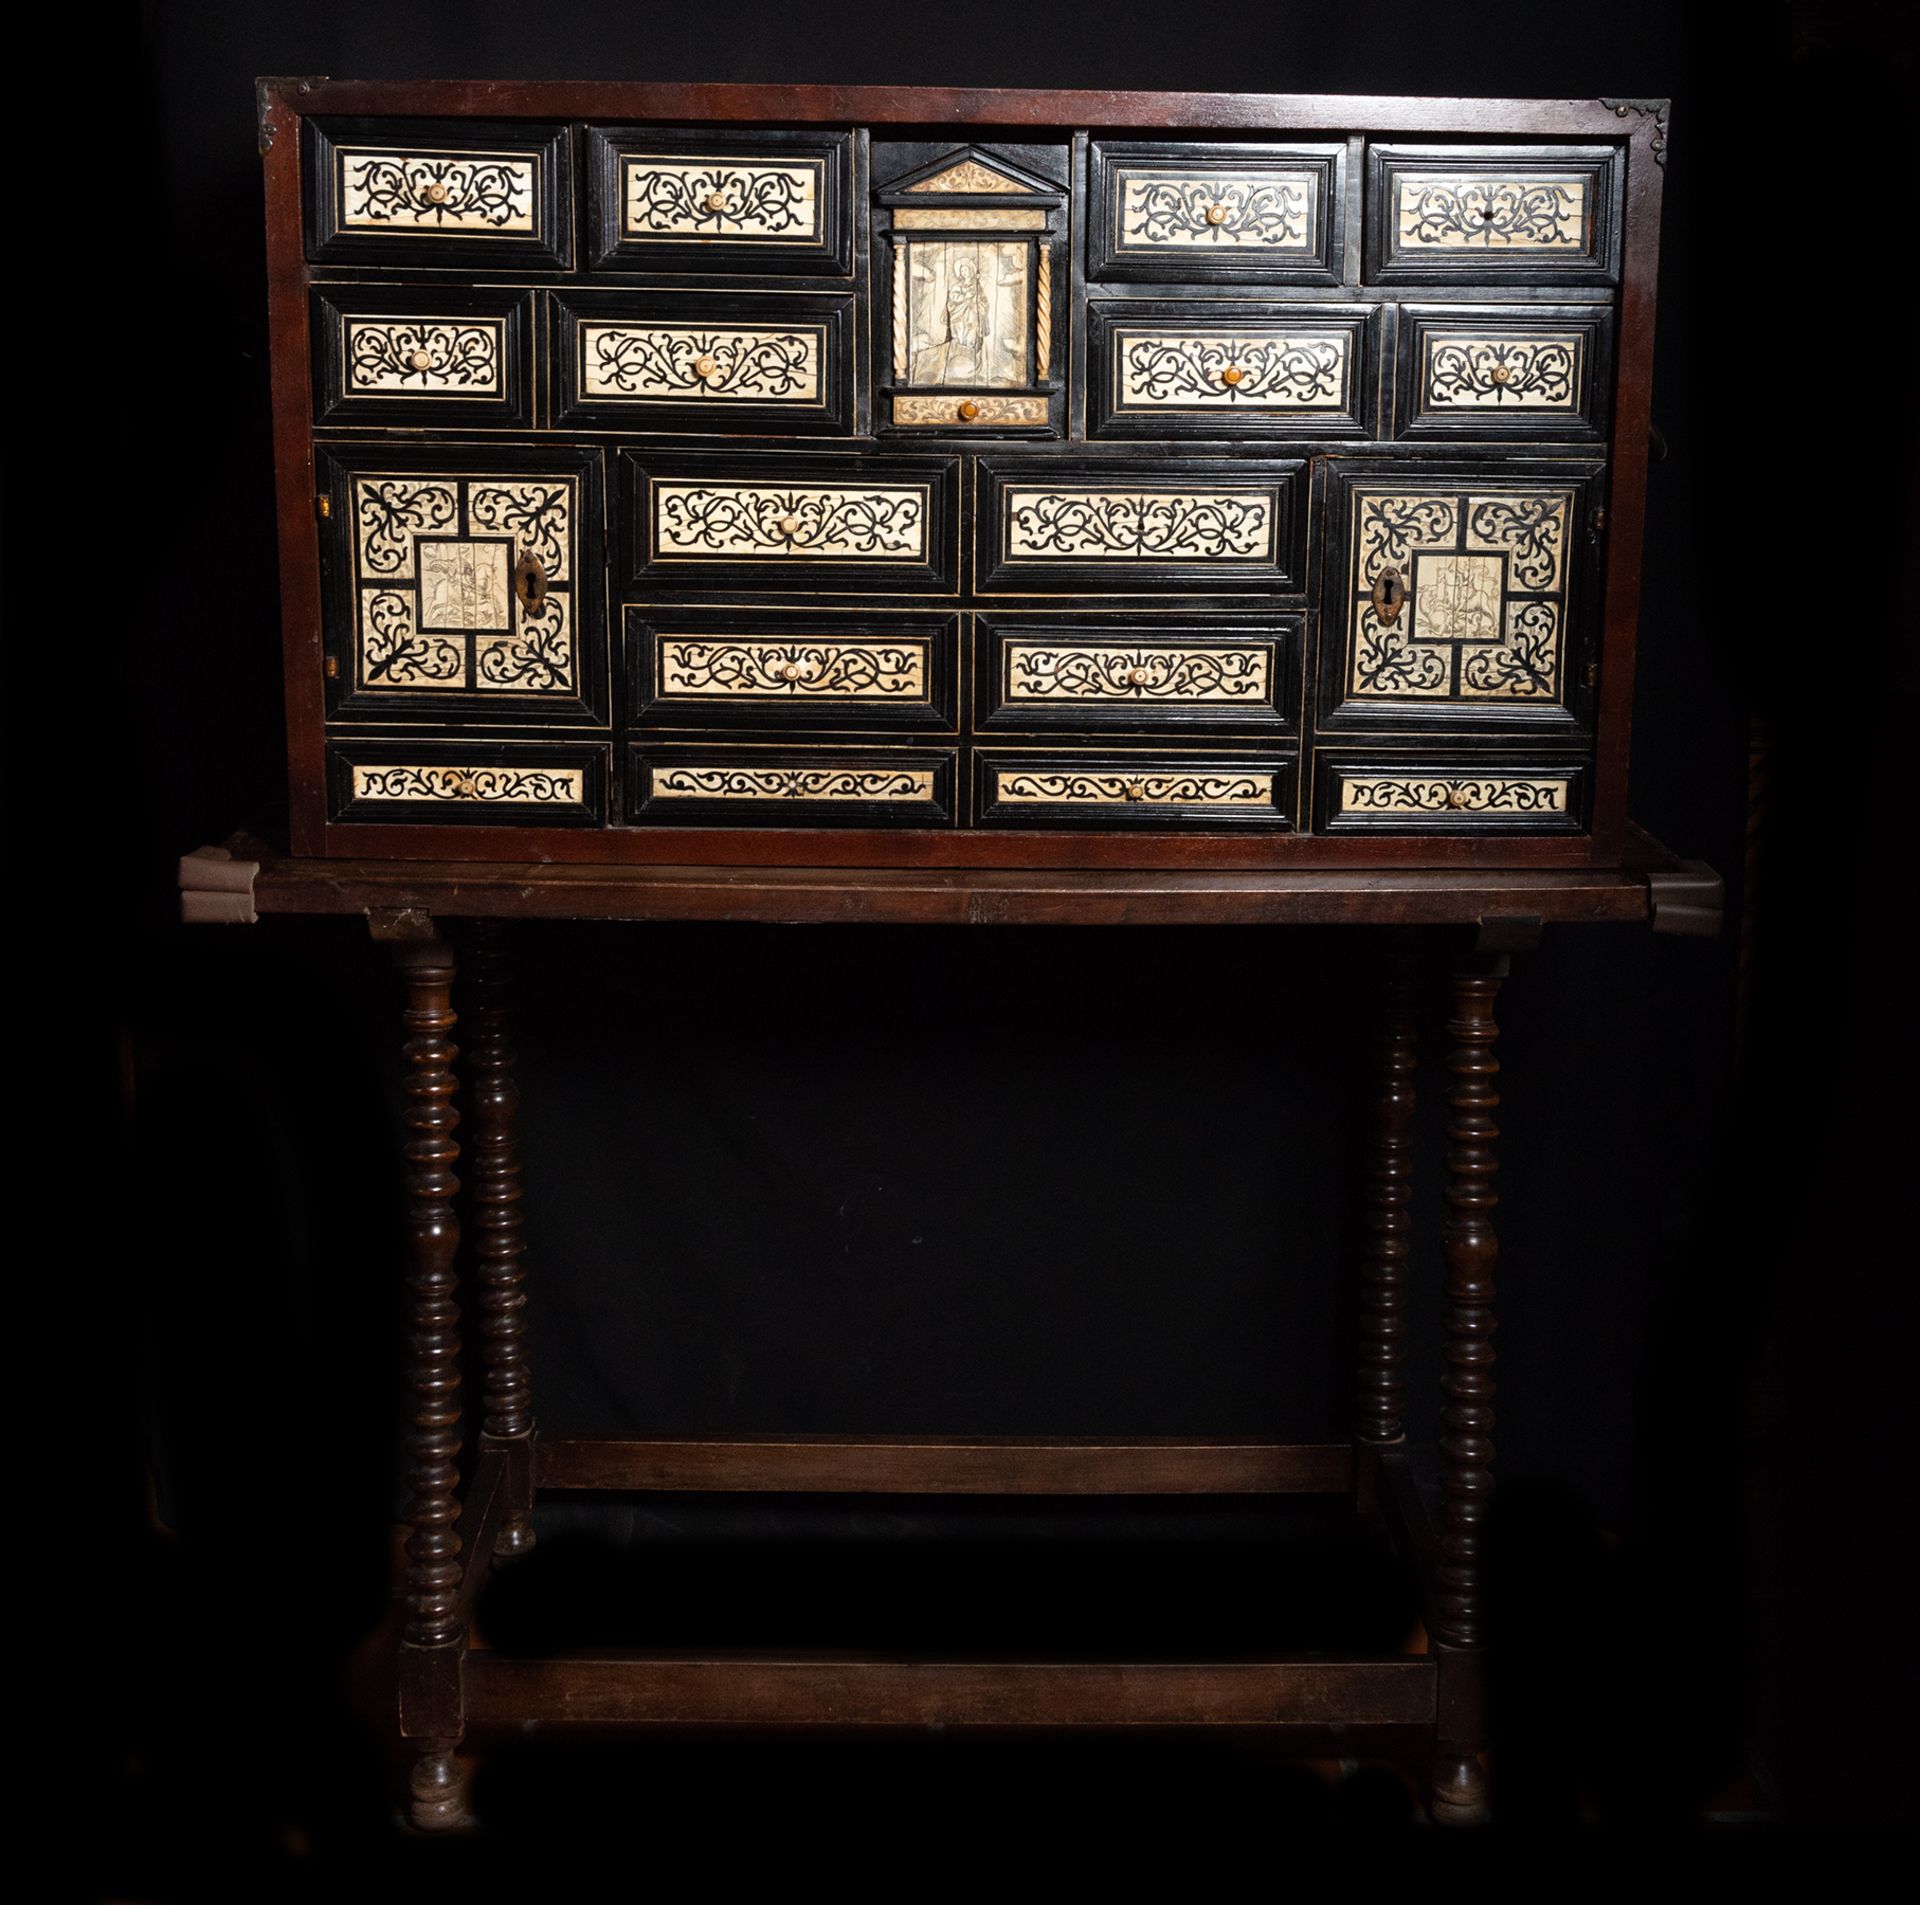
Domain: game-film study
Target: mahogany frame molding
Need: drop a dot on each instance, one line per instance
(1641, 125)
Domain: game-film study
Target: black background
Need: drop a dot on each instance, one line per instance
(1026, 1180)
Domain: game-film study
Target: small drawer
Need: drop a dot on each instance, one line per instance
(672, 200)
(1104, 673)
(1057, 525)
(1507, 371)
(1493, 214)
(1161, 367)
(467, 783)
(1456, 792)
(465, 584)
(476, 193)
(680, 361)
(870, 524)
(757, 667)
(1147, 791)
(1457, 597)
(421, 355)
(699, 785)
(1262, 214)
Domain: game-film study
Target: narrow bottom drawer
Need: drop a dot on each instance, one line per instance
(1448, 793)
(705, 786)
(471, 783)
(1127, 790)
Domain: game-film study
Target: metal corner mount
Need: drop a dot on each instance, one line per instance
(1656, 110)
(264, 89)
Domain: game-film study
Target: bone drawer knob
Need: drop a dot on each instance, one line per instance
(1232, 375)
(1216, 214)
(705, 366)
(436, 192)
(419, 360)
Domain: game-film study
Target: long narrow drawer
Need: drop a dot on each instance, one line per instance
(474, 783)
(722, 785)
(668, 199)
(871, 525)
(422, 356)
(476, 194)
(1147, 791)
(764, 668)
(1058, 526)
(1449, 792)
(683, 361)
(1188, 367)
(1088, 673)
(1493, 214)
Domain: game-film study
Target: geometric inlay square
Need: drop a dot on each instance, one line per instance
(465, 584)
(1456, 598)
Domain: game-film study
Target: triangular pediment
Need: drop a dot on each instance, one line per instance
(969, 173)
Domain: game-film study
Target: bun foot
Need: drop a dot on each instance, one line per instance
(516, 1537)
(1458, 1795)
(437, 1794)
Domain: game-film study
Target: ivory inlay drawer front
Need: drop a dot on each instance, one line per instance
(740, 201)
(682, 361)
(1258, 213)
(1195, 368)
(421, 356)
(1457, 794)
(454, 586)
(799, 669)
(822, 787)
(1456, 594)
(1510, 371)
(1128, 672)
(1493, 214)
(1126, 790)
(1048, 526)
(849, 522)
(395, 191)
(485, 784)
(884, 524)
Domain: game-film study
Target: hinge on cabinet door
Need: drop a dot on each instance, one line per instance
(331, 669)
(323, 506)
(1591, 677)
(1597, 522)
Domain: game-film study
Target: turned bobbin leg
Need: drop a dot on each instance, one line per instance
(1379, 1390)
(1466, 1441)
(435, 1636)
(498, 1245)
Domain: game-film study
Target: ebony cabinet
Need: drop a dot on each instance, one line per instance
(665, 479)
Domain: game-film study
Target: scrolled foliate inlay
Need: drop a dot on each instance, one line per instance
(1504, 373)
(666, 198)
(479, 786)
(701, 668)
(830, 784)
(1485, 611)
(467, 193)
(422, 356)
(701, 363)
(1217, 211)
(756, 522)
(1184, 370)
(434, 559)
(1087, 524)
(1149, 787)
(1472, 211)
(1469, 794)
(1147, 672)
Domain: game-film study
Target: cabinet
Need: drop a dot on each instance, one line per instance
(825, 476)
(749, 503)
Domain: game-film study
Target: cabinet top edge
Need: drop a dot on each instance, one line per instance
(1163, 112)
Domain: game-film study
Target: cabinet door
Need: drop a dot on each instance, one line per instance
(1458, 597)
(463, 583)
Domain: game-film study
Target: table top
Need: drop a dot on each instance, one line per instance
(246, 877)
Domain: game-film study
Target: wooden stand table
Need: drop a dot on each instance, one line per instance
(456, 1535)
